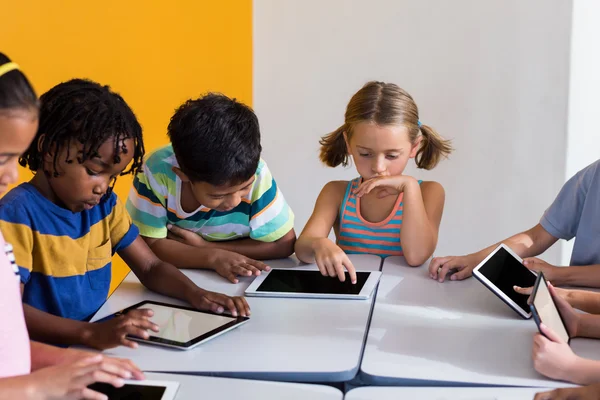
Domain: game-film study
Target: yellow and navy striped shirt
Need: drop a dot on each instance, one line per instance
(64, 258)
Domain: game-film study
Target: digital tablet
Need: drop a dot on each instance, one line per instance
(500, 272)
(544, 309)
(138, 390)
(183, 327)
(310, 283)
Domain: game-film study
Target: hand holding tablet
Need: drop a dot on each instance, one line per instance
(182, 327)
(500, 272)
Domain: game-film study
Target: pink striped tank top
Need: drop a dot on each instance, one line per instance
(359, 236)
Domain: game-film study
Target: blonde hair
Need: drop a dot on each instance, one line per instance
(384, 104)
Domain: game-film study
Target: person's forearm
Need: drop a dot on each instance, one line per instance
(258, 250)
(524, 244)
(182, 255)
(588, 275)
(583, 300)
(18, 387)
(44, 355)
(589, 326)
(49, 328)
(585, 372)
(165, 279)
(417, 236)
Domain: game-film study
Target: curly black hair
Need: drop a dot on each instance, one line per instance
(90, 113)
(16, 93)
(216, 140)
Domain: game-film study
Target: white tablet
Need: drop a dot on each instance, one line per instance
(139, 390)
(299, 282)
(183, 327)
(500, 272)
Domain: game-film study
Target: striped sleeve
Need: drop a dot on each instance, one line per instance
(122, 230)
(147, 204)
(271, 217)
(15, 226)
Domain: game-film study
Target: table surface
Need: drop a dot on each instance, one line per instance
(308, 340)
(195, 387)
(456, 333)
(442, 393)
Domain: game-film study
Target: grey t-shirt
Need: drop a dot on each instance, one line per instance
(576, 213)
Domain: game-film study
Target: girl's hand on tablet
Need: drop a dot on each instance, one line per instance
(462, 266)
(591, 392)
(332, 261)
(552, 357)
(113, 333)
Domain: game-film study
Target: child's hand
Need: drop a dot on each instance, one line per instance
(462, 266)
(112, 333)
(184, 236)
(388, 185)
(538, 265)
(569, 315)
(591, 392)
(229, 265)
(74, 355)
(552, 357)
(70, 381)
(218, 302)
(332, 260)
(564, 293)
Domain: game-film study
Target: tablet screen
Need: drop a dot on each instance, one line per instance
(505, 271)
(129, 392)
(181, 325)
(295, 281)
(547, 311)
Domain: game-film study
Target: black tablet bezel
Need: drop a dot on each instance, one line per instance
(190, 343)
(534, 312)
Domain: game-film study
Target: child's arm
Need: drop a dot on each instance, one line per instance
(228, 264)
(525, 244)
(313, 245)
(422, 214)
(248, 247)
(585, 275)
(50, 328)
(166, 279)
(67, 381)
(43, 356)
(583, 300)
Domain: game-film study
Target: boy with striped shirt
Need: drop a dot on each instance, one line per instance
(208, 200)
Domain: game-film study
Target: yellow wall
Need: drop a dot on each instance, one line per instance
(156, 54)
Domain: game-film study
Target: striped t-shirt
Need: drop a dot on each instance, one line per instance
(359, 236)
(155, 201)
(64, 257)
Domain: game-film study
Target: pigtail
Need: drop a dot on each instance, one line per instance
(433, 148)
(333, 148)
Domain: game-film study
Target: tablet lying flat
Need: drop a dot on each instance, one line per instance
(544, 309)
(500, 272)
(310, 283)
(139, 390)
(184, 327)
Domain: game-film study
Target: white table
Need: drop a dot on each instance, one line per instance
(439, 393)
(425, 333)
(196, 387)
(307, 340)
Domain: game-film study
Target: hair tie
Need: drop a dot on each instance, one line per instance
(419, 123)
(8, 67)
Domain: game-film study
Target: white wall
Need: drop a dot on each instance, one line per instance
(491, 75)
(583, 142)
